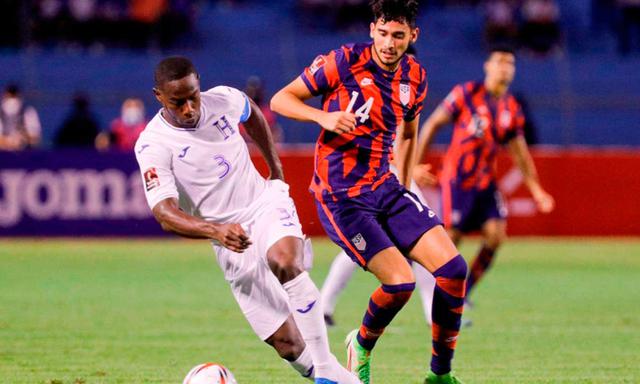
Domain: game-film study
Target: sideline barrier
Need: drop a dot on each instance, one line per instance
(85, 193)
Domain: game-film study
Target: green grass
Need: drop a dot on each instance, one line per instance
(551, 311)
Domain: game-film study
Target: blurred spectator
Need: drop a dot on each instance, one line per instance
(19, 123)
(500, 22)
(316, 14)
(353, 14)
(125, 129)
(10, 23)
(254, 89)
(629, 25)
(80, 128)
(133, 23)
(540, 31)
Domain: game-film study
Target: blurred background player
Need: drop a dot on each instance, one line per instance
(125, 129)
(19, 123)
(485, 116)
(371, 92)
(200, 183)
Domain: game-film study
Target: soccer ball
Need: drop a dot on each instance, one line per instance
(209, 373)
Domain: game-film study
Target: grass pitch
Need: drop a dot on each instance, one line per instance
(551, 311)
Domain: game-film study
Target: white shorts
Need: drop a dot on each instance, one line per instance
(259, 294)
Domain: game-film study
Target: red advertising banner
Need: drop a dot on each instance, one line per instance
(597, 191)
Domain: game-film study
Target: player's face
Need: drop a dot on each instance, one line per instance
(181, 100)
(500, 67)
(390, 41)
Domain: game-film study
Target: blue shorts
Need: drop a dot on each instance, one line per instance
(467, 210)
(390, 216)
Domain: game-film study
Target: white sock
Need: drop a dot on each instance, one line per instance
(339, 275)
(303, 365)
(306, 307)
(425, 283)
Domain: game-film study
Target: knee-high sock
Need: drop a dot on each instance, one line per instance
(384, 304)
(303, 365)
(304, 298)
(339, 275)
(425, 282)
(448, 302)
(480, 265)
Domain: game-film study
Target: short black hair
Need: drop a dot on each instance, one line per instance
(501, 48)
(173, 68)
(395, 10)
(12, 89)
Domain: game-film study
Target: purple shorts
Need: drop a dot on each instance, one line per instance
(390, 216)
(468, 209)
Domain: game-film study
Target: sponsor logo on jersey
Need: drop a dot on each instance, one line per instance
(151, 179)
(318, 63)
(405, 94)
(184, 151)
(366, 81)
(431, 214)
(359, 242)
(142, 148)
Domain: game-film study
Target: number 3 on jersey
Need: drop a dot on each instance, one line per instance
(362, 112)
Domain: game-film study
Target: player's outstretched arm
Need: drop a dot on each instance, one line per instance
(522, 157)
(289, 102)
(422, 172)
(258, 129)
(172, 219)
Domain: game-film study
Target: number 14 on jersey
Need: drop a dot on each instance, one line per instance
(362, 112)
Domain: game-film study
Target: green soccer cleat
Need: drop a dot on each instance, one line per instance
(447, 378)
(358, 358)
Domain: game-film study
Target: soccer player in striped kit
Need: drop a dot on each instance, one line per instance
(485, 116)
(372, 92)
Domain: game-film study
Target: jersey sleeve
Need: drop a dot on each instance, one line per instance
(155, 167)
(454, 101)
(238, 104)
(322, 75)
(517, 126)
(421, 95)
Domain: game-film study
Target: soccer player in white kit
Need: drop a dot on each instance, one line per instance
(200, 183)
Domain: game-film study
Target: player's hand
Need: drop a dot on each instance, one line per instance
(544, 201)
(233, 237)
(338, 122)
(423, 176)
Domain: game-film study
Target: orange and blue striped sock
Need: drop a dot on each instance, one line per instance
(448, 302)
(384, 304)
(480, 265)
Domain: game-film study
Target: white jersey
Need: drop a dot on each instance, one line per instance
(207, 168)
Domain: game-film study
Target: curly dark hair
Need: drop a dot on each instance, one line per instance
(395, 10)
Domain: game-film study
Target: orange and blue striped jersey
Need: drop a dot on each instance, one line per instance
(349, 164)
(482, 123)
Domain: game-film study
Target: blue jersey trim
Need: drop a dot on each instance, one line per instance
(246, 112)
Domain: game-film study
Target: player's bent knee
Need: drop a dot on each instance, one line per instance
(456, 268)
(285, 264)
(494, 241)
(289, 349)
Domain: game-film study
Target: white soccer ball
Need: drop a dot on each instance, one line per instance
(209, 373)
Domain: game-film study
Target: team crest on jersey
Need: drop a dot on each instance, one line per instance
(405, 94)
(359, 242)
(318, 63)
(505, 119)
(151, 179)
